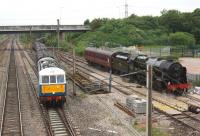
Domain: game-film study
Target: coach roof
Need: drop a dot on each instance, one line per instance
(99, 51)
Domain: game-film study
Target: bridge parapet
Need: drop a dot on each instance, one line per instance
(43, 28)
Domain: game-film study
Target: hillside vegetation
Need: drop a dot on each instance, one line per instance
(172, 28)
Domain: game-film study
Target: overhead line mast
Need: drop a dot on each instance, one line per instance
(126, 9)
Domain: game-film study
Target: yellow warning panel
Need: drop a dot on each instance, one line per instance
(53, 88)
(165, 108)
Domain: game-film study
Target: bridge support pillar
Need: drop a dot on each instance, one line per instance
(62, 36)
(30, 33)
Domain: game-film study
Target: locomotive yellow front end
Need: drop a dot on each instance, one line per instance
(52, 86)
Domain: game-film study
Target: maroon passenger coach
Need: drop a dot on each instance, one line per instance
(99, 56)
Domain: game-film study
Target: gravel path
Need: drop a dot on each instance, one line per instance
(192, 65)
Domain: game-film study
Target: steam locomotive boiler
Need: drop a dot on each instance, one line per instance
(167, 74)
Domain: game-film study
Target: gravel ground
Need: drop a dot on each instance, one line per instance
(96, 115)
(31, 117)
(192, 64)
(97, 112)
(4, 62)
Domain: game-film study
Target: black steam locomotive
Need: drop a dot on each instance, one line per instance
(167, 74)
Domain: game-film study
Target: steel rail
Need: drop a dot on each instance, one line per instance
(66, 121)
(4, 101)
(63, 119)
(7, 95)
(47, 116)
(59, 123)
(20, 115)
(43, 110)
(140, 93)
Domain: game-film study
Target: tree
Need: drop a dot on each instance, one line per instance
(171, 19)
(87, 22)
(181, 38)
(196, 24)
(196, 32)
(96, 23)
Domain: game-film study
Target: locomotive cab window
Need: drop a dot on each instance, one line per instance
(52, 79)
(60, 78)
(45, 79)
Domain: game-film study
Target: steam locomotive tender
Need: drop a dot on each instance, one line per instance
(167, 74)
(52, 85)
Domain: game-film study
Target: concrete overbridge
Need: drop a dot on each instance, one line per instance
(43, 28)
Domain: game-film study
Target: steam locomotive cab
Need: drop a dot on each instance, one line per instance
(139, 63)
(167, 74)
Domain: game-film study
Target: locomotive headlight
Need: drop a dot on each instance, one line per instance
(53, 92)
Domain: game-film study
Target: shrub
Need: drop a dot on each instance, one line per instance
(181, 38)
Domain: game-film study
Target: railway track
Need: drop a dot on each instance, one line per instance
(60, 125)
(55, 119)
(192, 122)
(11, 123)
(187, 101)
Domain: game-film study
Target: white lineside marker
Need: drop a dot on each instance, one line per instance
(109, 131)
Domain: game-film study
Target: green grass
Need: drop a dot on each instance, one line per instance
(158, 132)
(154, 46)
(197, 83)
(2, 37)
(26, 41)
(83, 95)
(155, 131)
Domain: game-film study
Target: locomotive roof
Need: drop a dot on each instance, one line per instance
(100, 51)
(140, 56)
(155, 61)
(122, 55)
(46, 58)
(52, 71)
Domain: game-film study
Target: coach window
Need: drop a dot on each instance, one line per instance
(52, 79)
(60, 79)
(45, 79)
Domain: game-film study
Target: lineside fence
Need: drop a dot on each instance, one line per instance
(161, 52)
(164, 52)
(193, 78)
(176, 53)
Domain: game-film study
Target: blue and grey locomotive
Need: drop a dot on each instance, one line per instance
(52, 84)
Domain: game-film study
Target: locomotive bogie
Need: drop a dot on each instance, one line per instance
(52, 100)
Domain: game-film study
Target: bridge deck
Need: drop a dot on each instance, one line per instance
(43, 28)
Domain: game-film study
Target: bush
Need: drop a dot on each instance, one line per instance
(79, 49)
(181, 38)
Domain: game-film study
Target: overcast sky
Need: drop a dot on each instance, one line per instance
(25, 12)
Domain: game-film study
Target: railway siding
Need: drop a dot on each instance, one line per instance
(4, 64)
(12, 112)
(50, 117)
(166, 104)
(32, 119)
